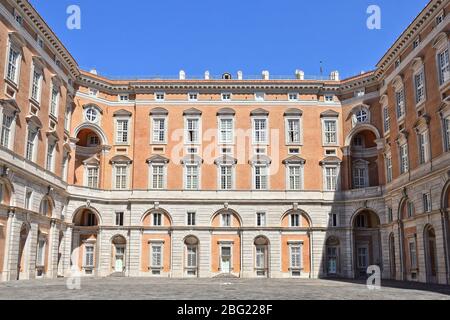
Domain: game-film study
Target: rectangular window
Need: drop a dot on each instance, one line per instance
(157, 177)
(31, 138)
(404, 159)
(295, 177)
(260, 257)
(389, 174)
(92, 177)
(423, 147)
(89, 257)
(447, 133)
(259, 131)
(28, 197)
(410, 209)
(295, 220)
(359, 178)
(226, 220)
(119, 218)
(330, 178)
(261, 219)
(124, 97)
(293, 131)
(400, 103)
(296, 257)
(386, 119)
(333, 220)
(54, 102)
(419, 82)
(260, 177)
(36, 85)
(160, 96)
(226, 177)
(427, 207)
(6, 130)
(413, 254)
(193, 96)
(191, 259)
(329, 98)
(13, 64)
(193, 128)
(390, 215)
(259, 96)
(226, 131)
(157, 219)
(192, 177)
(156, 256)
(191, 218)
(293, 97)
(122, 131)
(226, 96)
(444, 66)
(363, 257)
(50, 156)
(159, 130)
(330, 131)
(40, 256)
(121, 177)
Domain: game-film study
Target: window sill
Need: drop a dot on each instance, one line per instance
(35, 102)
(12, 83)
(54, 117)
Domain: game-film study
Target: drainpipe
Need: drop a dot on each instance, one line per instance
(401, 248)
(444, 219)
(311, 258)
(241, 253)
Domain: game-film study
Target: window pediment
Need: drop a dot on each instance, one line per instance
(192, 159)
(92, 161)
(440, 41)
(17, 39)
(35, 121)
(226, 112)
(259, 112)
(260, 159)
(121, 160)
(294, 160)
(10, 104)
(397, 83)
(417, 63)
(39, 62)
(225, 159)
(329, 114)
(330, 160)
(192, 112)
(159, 112)
(122, 113)
(293, 113)
(158, 159)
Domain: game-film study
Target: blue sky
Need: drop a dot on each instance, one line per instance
(142, 38)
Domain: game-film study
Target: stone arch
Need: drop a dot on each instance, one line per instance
(298, 211)
(445, 198)
(47, 206)
(78, 214)
(7, 196)
(403, 207)
(261, 240)
(332, 256)
(191, 240)
(360, 128)
(118, 239)
(375, 221)
(95, 128)
(431, 260)
(164, 212)
(392, 256)
(226, 210)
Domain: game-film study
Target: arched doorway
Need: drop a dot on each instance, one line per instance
(119, 245)
(366, 242)
(262, 256)
(333, 256)
(22, 254)
(430, 254)
(191, 251)
(392, 257)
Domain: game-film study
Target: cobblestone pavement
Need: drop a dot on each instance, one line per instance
(217, 289)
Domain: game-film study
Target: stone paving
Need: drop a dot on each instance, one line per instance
(217, 289)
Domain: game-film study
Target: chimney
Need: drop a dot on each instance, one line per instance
(93, 71)
(334, 76)
(206, 75)
(265, 75)
(299, 74)
(182, 75)
(240, 75)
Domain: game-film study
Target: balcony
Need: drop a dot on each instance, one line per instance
(88, 151)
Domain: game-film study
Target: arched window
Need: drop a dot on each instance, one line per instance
(360, 115)
(45, 208)
(191, 252)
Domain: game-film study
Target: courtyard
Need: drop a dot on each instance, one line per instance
(217, 289)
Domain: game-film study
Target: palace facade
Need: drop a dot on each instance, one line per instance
(229, 175)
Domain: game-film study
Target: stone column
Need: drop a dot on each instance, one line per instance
(10, 261)
(134, 253)
(31, 249)
(53, 251)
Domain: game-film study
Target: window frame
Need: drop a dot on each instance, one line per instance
(266, 175)
(300, 174)
(119, 133)
(12, 46)
(198, 139)
(325, 120)
(155, 119)
(287, 131)
(94, 178)
(230, 175)
(126, 176)
(152, 174)
(259, 142)
(198, 175)
(420, 91)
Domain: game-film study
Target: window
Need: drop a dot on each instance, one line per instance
(192, 177)
(293, 131)
(65, 166)
(124, 97)
(121, 173)
(260, 131)
(5, 136)
(18, 17)
(119, 218)
(191, 218)
(92, 177)
(28, 199)
(156, 256)
(159, 130)
(31, 140)
(192, 130)
(363, 257)
(91, 115)
(386, 120)
(296, 256)
(389, 174)
(361, 116)
(89, 256)
(329, 98)
(413, 254)
(40, 256)
(93, 140)
(444, 66)
(226, 177)
(261, 177)
(226, 135)
(419, 84)
(439, 18)
(447, 133)
(295, 177)
(54, 100)
(261, 219)
(404, 159)
(330, 131)
(160, 96)
(333, 220)
(293, 96)
(67, 115)
(427, 206)
(226, 220)
(259, 96)
(410, 209)
(295, 220)
(122, 131)
(416, 43)
(331, 174)
(260, 257)
(36, 85)
(423, 147)
(359, 178)
(50, 156)
(193, 96)
(40, 41)
(397, 63)
(226, 96)
(13, 64)
(390, 215)
(157, 219)
(360, 92)
(400, 102)
(93, 92)
(191, 256)
(158, 176)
